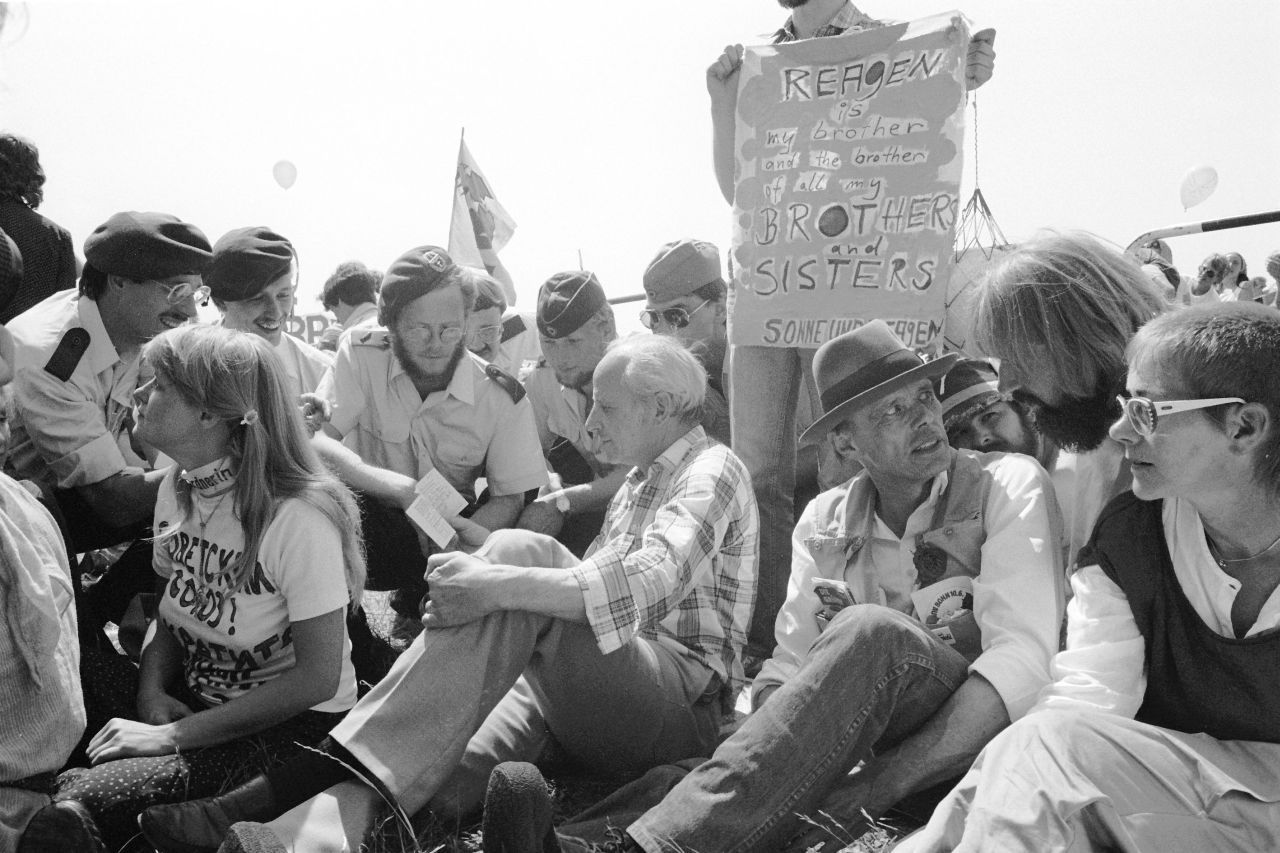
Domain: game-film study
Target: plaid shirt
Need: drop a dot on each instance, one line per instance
(848, 18)
(676, 559)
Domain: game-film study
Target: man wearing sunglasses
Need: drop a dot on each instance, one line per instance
(685, 299)
(76, 366)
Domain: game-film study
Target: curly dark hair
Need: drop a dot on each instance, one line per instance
(21, 178)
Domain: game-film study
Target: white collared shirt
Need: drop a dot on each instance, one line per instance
(72, 433)
(470, 429)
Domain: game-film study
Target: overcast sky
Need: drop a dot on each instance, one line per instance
(590, 119)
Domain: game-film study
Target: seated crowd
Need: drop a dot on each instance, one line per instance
(1023, 598)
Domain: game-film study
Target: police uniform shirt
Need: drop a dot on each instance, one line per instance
(562, 412)
(474, 428)
(74, 396)
(304, 365)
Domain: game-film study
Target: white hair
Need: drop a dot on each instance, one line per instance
(657, 365)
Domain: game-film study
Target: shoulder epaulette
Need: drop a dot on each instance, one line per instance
(505, 381)
(512, 326)
(379, 338)
(72, 347)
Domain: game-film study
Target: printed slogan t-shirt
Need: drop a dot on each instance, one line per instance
(234, 643)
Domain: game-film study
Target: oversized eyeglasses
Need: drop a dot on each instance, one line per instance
(447, 335)
(676, 318)
(1144, 414)
(176, 293)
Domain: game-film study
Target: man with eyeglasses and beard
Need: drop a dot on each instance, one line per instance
(410, 398)
(1058, 311)
(575, 327)
(76, 367)
(685, 299)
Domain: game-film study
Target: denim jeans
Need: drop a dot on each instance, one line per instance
(764, 385)
(872, 678)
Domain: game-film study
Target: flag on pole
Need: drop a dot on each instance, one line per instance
(480, 226)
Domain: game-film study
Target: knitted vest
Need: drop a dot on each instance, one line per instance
(1197, 680)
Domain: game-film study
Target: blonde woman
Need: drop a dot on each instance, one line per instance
(259, 551)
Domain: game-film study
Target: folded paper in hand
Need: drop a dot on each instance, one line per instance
(437, 502)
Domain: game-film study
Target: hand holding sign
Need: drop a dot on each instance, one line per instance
(722, 74)
(981, 61)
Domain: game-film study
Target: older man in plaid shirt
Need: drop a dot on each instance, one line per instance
(623, 660)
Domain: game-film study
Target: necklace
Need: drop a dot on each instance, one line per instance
(1223, 561)
(203, 521)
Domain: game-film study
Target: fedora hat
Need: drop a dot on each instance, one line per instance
(857, 367)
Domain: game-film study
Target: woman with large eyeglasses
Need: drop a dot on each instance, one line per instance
(258, 546)
(1162, 729)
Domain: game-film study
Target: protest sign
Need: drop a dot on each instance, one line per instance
(308, 327)
(848, 163)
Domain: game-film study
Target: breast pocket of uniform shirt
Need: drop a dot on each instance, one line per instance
(458, 456)
(389, 427)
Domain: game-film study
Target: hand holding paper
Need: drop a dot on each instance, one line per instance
(436, 504)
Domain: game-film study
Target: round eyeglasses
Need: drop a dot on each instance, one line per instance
(420, 332)
(676, 318)
(1143, 414)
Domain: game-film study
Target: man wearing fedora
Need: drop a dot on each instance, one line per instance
(922, 611)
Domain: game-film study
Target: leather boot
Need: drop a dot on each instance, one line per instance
(199, 826)
(62, 827)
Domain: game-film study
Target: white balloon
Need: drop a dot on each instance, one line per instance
(285, 174)
(1198, 185)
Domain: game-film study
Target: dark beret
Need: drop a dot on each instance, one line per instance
(10, 270)
(245, 261)
(567, 300)
(415, 273)
(147, 246)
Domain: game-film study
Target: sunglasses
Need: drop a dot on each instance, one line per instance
(1144, 414)
(676, 318)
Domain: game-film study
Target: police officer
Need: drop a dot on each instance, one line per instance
(76, 368)
(409, 398)
(685, 299)
(252, 279)
(575, 325)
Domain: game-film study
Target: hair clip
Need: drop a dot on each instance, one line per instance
(250, 418)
